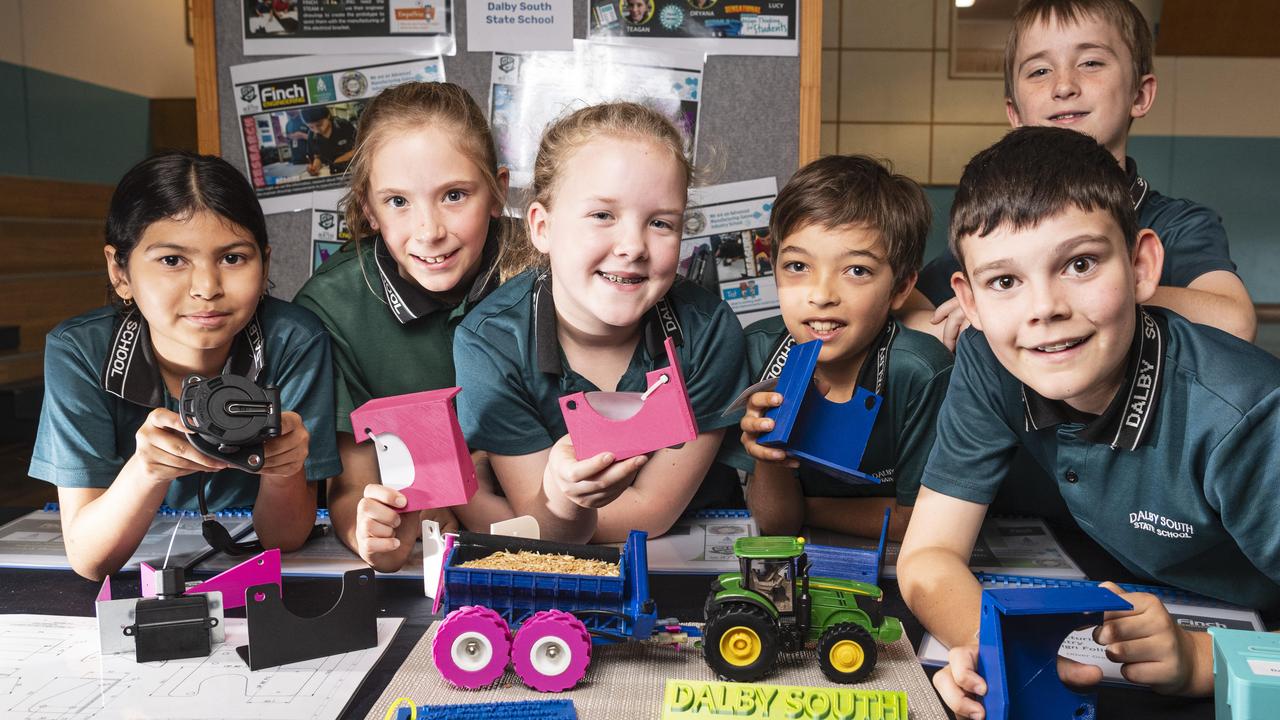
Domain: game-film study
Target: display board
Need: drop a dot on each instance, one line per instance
(751, 109)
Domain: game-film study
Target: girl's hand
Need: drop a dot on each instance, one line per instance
(286, 453)
(163, 451)
(1152, 649)
(754, 424)
(591, 483)
(384, 536)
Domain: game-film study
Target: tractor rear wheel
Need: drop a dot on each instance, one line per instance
(847, 653)
(741, 642)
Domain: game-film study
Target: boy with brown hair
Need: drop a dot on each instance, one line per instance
(1086, 65)
(846, 238)
(1160, 434)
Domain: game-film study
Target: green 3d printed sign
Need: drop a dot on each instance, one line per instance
(693, 699)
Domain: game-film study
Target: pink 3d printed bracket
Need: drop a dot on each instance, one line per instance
(421, 451)
(261, 569)
(628, 424)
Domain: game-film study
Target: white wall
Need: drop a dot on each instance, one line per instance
(136, 47)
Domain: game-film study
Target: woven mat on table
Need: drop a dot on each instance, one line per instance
(626, 680)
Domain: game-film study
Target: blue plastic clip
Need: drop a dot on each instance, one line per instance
(830, 436)
(1018, 645)
(521, 710)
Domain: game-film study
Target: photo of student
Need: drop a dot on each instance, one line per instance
(430, 241)
(609, 192)
(637, 12)
(1086, 65)
(187, 257)
(846, 238)
(272, 17)
(331, 141)
(298, 135)
(1132, 409)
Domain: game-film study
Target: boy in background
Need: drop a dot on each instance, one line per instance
(1086, 65)
(1160, 434)
(846, 238)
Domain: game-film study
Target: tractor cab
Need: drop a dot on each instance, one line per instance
(772, 567)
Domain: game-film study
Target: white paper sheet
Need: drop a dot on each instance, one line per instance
(50, 668)
(725, 245)
(332, 27)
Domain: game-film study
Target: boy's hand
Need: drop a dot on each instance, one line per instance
(754, 424)
(384, 537)
(959, 684)
(591, 483)
(950, 316)
(286, 452)
(961, 687)
(163, 451)
(1153, 650)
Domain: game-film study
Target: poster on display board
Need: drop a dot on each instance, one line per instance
(529, 90)
(519, 25)
(716, 27)
(298, 120)
(725, 245)
(327, 27)
(329, 232)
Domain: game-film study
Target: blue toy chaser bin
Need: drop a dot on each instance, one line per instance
(544, 622)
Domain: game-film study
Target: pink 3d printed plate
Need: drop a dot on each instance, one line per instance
(628, 424)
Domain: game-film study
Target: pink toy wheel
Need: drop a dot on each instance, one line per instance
(471, 647)
(551, 651)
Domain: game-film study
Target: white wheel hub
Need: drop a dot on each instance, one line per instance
(471, 651)
(550, 656)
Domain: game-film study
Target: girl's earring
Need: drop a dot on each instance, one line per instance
(128, 302)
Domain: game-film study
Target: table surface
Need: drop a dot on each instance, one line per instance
(62, 592)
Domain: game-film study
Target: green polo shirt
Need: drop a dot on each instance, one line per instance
(1194, 241)
(390, 337)
(93, 407)
(917, 369)
(1176, 478)
(513, 372)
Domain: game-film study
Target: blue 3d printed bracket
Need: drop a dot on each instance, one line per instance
(827, 435)
(1018, 643)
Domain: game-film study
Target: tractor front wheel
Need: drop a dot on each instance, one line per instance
(741, 642)
(847, 653)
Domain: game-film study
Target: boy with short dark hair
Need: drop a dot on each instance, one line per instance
(1161, 435)
(846, 238)
(1086, 65)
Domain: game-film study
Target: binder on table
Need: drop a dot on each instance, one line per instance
(35, 539)
(701, 542)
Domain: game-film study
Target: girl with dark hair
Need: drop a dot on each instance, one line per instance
(187, 257)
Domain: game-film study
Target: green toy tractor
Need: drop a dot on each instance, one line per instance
(772, 606)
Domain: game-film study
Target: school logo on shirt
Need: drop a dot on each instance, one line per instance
(1160, 525)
